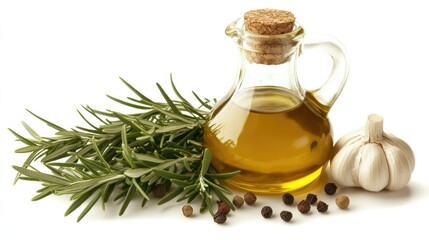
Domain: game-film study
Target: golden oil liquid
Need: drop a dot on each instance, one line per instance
(279, 142)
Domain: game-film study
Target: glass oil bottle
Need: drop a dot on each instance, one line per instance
(271, 129)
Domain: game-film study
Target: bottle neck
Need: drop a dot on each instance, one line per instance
(283, 75)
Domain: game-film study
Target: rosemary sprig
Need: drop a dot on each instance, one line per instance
(126, 155)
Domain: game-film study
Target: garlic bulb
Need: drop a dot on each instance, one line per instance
(372, 159)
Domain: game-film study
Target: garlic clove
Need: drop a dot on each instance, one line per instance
(373, 173)
(349, 138)
(345, 163)
(393, 140)
(400, 167)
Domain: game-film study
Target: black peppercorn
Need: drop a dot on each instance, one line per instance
(286, 216)
(322, 207)
(219, 218)
(250, 198)
(159, 190)
(311, 198)
(223, 208)
(238, 201)
(288, 198)
(330, 188)
(304, 206)
(266, 211)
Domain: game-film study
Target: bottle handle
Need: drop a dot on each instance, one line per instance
(325, 96)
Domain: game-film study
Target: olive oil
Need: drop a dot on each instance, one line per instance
(279, 142)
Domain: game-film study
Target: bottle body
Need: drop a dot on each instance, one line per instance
(279, 142)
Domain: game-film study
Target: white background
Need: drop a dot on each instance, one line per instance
(57, 55)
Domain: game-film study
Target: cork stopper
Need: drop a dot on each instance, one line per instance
(269, 21)
(264, 23)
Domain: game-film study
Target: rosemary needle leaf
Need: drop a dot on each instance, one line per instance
(84, 185)
(146, 158)
(56, 171)
(78, 202)
(41, 176)
(94, 114)
(81, 152)
(21, 138)
(189, 187)
(173, 128)
(151, 177)
(106, 193)
(180, 183)
(100, 156)
(144, 201)
(50, 124)
(203, 205)
(126, 151)
(31, 131)
(191, 197)
(62, 152)
(177, 92)
(46, 192)
(126, 103)
(35, 156)
(137, 172)
(144, 195)
(203, 103)
(130, 194)
(174, 115)
(217, 187)
(206, 161)
(90, 205)
(143, 97)
(208, 203)
(28, 149)
(66, 164)
(127, 121)
(171, 195)
(223, 176)
(169, 101)
(195, 191)
(120, 195)
(86, 120)
(187, 165)
(169, 175)
(153, 180)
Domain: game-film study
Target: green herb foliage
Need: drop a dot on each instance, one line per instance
(124, 156)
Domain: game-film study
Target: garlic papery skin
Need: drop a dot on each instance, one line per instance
(372, 159)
